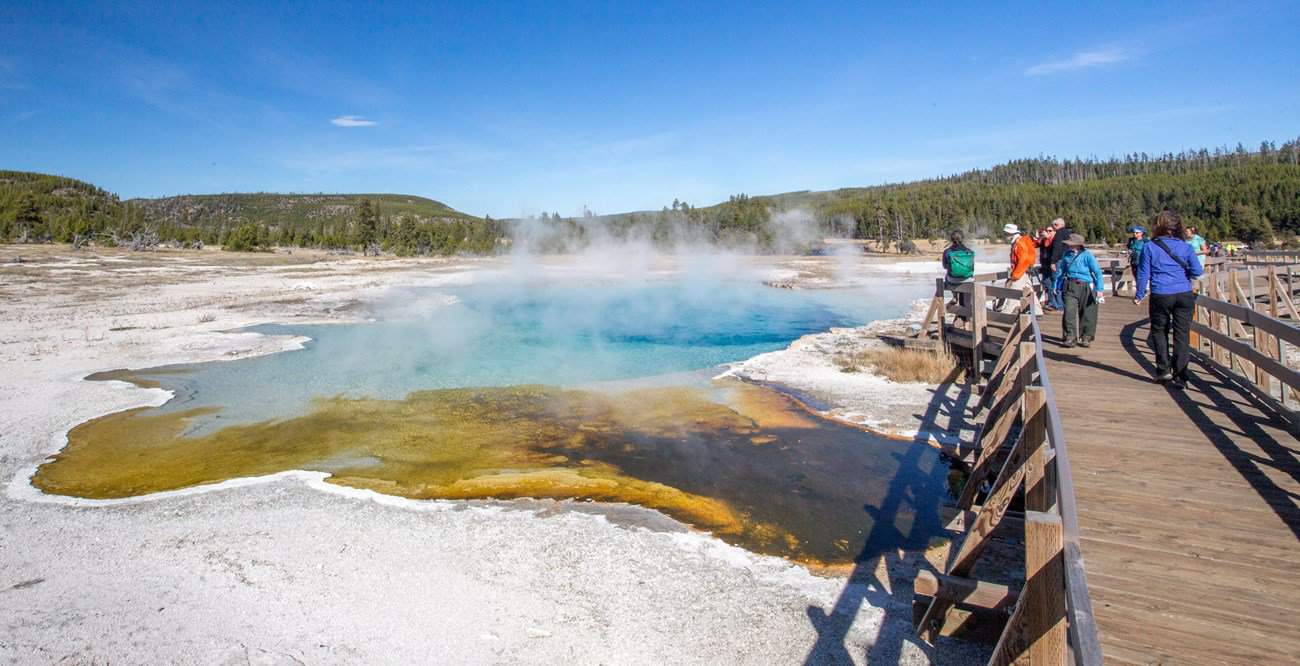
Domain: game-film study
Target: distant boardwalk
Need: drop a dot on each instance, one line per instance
(1187, 504)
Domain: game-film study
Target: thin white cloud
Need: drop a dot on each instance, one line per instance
(1081, 60)
(352, 121)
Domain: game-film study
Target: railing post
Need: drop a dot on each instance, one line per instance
(1044, 595)
(1272, 292)
(1250, 286)
(978, 317)
(1039, 495)
(943, 314)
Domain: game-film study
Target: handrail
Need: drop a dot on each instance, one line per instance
(1244, 336)
(1052, 620)
(1082, 626)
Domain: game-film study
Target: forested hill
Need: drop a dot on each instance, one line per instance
(291, 209)
(42, 208)
(1250, 195)
(33, 203)
(315, 220)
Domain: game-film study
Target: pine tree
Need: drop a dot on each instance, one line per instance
(367, 230)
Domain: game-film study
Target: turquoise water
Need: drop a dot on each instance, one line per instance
(505, 334)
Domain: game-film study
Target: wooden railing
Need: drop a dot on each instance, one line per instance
(974, 333)
(1272, 256)
(1245, 327)
(1019, 453)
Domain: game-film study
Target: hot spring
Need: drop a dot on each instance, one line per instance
(583, 390)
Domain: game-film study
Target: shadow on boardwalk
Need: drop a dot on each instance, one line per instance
(1228, 410)
(871, 582)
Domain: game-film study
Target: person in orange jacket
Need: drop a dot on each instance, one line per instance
(1024, 254)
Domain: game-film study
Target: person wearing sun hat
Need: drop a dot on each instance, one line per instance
(1024, 254)
(1079, 281)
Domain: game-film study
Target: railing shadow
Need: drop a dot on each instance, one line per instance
(870, 581)
(1226, 399)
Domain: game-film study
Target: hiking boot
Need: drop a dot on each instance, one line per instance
(1069, 343)
(1085, 341)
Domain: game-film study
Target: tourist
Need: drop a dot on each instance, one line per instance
(1079, 281)
(1198, 245)
(1169, 267)
(959, 266)
(1045, 265)
(1136, 243)
(1062, 233)
(1024, 254)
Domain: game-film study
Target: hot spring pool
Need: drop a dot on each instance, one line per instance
(583, 391)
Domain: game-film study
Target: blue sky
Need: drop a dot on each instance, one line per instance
(517, 108)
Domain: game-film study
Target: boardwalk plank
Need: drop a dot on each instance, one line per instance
(1188, 505)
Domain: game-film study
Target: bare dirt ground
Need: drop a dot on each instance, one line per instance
(277, 571)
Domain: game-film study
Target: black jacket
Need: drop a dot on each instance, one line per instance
(1060, 244)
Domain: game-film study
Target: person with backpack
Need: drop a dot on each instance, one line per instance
(1167, 269)
(1080, 283)
(958, 265)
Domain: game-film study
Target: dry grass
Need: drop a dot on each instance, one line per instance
(901, 365)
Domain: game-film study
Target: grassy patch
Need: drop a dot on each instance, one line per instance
(900, 365)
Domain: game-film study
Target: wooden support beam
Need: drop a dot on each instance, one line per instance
(1002, 369)
(1285, 297)
(1011, 645)
(971, 547)
(965, 591)
(990, 516)
(996, 427)
(935, 304)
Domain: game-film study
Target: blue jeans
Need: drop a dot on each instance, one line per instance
(1054, 299)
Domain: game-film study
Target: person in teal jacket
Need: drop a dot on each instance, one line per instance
(1079, 281)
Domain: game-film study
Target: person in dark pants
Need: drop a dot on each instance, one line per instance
(1059, 248)
(1045, 265)
(1079, 281)
(1169, 265)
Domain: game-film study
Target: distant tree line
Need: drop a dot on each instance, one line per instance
(1237, 193)
(1252, 196)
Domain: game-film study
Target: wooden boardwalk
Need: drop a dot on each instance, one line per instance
(1188, 504)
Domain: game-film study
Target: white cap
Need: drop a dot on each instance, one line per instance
(1011, 229)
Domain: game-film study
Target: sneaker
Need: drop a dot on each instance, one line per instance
(1178, 383)
(1164, 376)
(1085, 341)
(1069, 343)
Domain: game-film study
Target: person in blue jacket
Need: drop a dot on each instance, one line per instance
(1168, 266)
(1079, 281)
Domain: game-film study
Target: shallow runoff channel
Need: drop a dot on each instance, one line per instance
(587, 389)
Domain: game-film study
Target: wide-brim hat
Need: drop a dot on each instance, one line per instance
(1075, 239)
(1011, 229)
